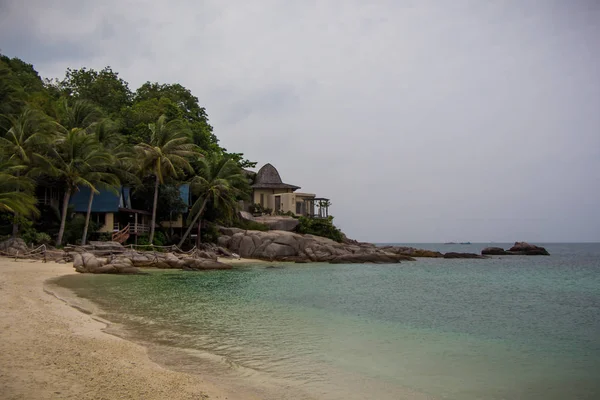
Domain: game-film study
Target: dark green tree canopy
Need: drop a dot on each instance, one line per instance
(104, 88)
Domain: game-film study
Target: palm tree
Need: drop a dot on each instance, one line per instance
(108, 176)
(166, 155)
(101, 179)
(77, 160)
(15, 191)
(217, 179)
(24, 143)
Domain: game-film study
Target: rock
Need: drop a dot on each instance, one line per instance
(247, 247)
(13, 246)
(494, 251)
(97, 245)
(372, 258)
(223, 241)
(278, 223)
(230, 231)
(525, 248)
(462, 255)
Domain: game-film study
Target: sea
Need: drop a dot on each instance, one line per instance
(506, 327)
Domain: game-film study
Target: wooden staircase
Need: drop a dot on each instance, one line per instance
(121, 236)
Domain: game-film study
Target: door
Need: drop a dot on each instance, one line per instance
(277, 203)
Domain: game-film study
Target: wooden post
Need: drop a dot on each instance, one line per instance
(135, 223)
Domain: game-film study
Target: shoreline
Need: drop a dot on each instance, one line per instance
(52, 347)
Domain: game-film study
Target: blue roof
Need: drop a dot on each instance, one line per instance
(105, 201)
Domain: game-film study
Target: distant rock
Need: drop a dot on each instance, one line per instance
(528, 249)
(494, 251)
(462, 255)
(519, 248)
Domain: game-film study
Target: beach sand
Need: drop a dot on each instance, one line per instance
(50, 350)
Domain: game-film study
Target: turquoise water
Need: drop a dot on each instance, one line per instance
(501, 328)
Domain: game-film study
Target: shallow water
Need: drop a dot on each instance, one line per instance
(502, 328)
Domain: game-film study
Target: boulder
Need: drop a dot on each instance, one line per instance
(246, 249)
(462, 255)
(527, 249)
(494, 251)
(97, 245)
(13, 246)
(229, 231)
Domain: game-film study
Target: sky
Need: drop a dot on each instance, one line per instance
(421, 120)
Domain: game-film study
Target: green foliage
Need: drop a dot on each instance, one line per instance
(103, 88)
(74, 229)
(81, 130)
(209, 233)
(249, 225)
(169, 205)
(320, 227)
(31, 236)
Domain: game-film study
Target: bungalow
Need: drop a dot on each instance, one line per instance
(112, 212)
(270, 192)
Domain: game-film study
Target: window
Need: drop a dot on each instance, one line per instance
(262, 199)
(99, 218)
(299, 208)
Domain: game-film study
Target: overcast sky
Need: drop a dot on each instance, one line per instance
(422, 120)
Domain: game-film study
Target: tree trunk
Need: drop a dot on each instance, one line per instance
(63, 217)
(189, 229)
(15, 228)
(198, 240)
(87, 218)
(153, 222)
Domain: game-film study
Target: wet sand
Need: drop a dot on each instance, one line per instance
(50, 350)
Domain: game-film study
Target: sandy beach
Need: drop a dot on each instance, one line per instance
(50, 350)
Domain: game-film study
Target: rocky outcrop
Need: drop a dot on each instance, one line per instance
(89, 263)
(13, 246)
(289, 246)
(494, 251)
(130, 262)
(524, 248)
(519, 248)
(413, 252)
(462, 255)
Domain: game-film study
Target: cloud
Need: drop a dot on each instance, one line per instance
(422, 121)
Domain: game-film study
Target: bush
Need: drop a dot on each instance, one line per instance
(209, 233)
(31, 236)
(320, 227)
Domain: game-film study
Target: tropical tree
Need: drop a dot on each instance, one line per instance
(217, 180)
(24, 144)
(166, 154)
(15, 191)
(108, 175)
(77, 160)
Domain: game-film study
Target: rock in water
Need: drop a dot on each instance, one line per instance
(462, 255)
(494, 251)
(528, 249)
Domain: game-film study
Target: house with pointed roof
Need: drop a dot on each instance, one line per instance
(269, 190)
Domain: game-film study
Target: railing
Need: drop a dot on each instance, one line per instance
(141, 229)
(122, 235)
